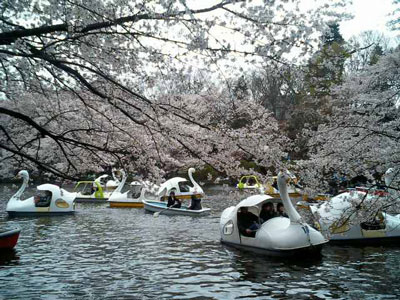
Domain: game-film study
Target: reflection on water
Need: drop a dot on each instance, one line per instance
(102, 253)
(8, 257)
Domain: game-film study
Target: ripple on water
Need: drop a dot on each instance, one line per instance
(125, 253)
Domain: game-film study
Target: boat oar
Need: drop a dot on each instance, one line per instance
(156, 214)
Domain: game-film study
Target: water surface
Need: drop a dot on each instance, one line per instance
(104, 253)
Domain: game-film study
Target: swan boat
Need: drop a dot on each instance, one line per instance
(57, 200)
(98, 190)
(183, 191)
(337, 217)
(279, 236)
(131, 198)
(9, 238)
(90, 191)
(249, 182)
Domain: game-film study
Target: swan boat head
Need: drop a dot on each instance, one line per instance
(197, 189)
(25, 179)
(114, 183)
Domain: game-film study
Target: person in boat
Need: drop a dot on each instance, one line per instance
(43, 201)
(275, 185)
(195, 203)
(92, 190)
(173, 202)
(251, 181)
(248, 223)
(267, 212)
(280, 210)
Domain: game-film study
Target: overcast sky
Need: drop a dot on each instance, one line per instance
(368, 15)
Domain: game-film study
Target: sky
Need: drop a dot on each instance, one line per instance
(368, 15)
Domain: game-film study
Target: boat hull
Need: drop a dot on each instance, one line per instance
(387, 240)
(309, 251)
(91, 200)
(161, 207)
(38, 214)
(183, 197)
(126, 204)
(8, 239)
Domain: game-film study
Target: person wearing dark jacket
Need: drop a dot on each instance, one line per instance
(247, 222)
(173, 202)
(267, 212)
(195, 204)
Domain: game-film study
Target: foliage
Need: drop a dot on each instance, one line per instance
(367, 47)
(79, 80)
(362, 136)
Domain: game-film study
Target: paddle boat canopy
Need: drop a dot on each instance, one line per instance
(182, 188)
(249, 182)
(89, 190)
(276, 236)
(50, 199)
(98, 190)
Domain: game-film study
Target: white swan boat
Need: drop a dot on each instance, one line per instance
(276, 236)
(337, 218)
(249, 182)
(98, 190)
(132, 198)
(56, 201)
(183, 191)
(90, 191)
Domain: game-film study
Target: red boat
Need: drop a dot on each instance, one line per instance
(9, 238)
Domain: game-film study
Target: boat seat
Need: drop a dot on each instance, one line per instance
(135, 195)
(372, 225)
(42, 201)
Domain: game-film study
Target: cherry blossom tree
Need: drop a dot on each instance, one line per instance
(77, 78)
(367, 47)
(362, 136)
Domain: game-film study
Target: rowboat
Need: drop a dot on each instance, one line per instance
(9, 238)
(161, 208)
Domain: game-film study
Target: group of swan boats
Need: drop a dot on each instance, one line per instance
(279, 235)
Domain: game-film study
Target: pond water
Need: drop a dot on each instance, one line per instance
(102, 253)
